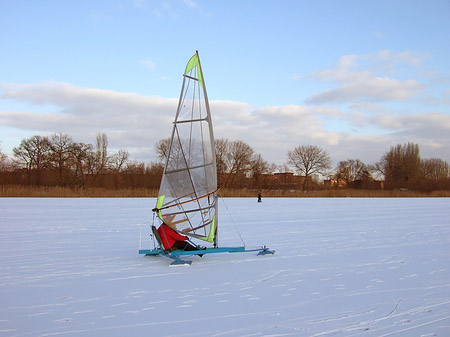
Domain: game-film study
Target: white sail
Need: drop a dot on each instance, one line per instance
(187, 199)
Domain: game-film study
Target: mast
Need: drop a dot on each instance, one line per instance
(211, 132)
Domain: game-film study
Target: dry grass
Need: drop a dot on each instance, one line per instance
(66, 192)
(96, 192)
(343, 193)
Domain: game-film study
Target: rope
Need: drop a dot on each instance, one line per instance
(151, 233)
(193, 243)
(185, 202)
(232, 220)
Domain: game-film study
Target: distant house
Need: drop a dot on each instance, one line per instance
(360, 184)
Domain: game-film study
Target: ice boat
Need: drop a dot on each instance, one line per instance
(188, 195)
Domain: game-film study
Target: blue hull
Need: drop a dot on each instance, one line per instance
(175, 255)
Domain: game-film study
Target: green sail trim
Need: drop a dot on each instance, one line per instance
(211, 236)
(193, 62)
(159, 204)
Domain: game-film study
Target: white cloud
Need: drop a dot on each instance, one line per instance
(149, 64)
(356, 85)
(128, 119)
(407, 57)
(368, 89)
(424, 123)
(190, 3)
(136, 123)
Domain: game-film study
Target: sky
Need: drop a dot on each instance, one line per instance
(352, 77)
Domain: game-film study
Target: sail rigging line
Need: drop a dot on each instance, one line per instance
(188, 169)
(185, 202)
(151, 235)
(232, 220)
(183, 95)
(182, 100)
(177, 200)
(192, 210)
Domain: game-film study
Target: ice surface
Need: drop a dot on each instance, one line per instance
(342, 267)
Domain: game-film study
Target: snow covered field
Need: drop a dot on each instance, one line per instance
(342, 267)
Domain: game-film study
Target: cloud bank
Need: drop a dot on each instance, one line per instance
(361, 126)
(362, 85)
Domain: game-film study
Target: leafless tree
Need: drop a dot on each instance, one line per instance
(119, 160)
(80, 156)
(61, 151)
(222, 147)
(102, 151)
(34, 154)
(401, 166)
(239, 157)
(435, 169)
(3, 161)
(258, 167)
(96, 160)
(351, 170)
(162, 149)
(308, 160)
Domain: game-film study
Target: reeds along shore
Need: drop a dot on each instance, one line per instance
(10, 191)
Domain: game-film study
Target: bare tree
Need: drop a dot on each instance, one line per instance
(309, 160)
(222, 147)
(401, 165)
(34, 154)
(435, 169)
(162, 149)
(61, 148)
(238, 160)
(80, 156)
(3, 161)
(351, 170)
(258, 167)
(102, 152)
(240, 156)
(119, 160)
(96, 160)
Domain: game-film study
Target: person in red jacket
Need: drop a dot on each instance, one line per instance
(171, 239)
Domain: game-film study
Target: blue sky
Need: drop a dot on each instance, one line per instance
(353, 77)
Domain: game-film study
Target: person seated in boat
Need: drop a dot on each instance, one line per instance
(173, 240)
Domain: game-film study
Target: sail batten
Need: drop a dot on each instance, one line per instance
(192, 78)
(193, 120)
(193, 167)
(187, 197)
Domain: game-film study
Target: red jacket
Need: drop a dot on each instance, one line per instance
(169, 236)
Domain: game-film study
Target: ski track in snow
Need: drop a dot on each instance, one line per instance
(342, 267)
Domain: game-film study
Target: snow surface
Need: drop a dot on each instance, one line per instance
(342, 267)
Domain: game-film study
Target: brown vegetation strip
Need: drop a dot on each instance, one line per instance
(97, 192)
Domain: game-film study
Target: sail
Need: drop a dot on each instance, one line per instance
(187, 199)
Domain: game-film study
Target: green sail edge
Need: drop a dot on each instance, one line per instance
(211, 236)
(159, 204)
(193, 62)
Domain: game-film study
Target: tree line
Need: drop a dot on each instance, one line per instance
(58, 160)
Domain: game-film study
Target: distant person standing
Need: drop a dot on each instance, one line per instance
(259, 197)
